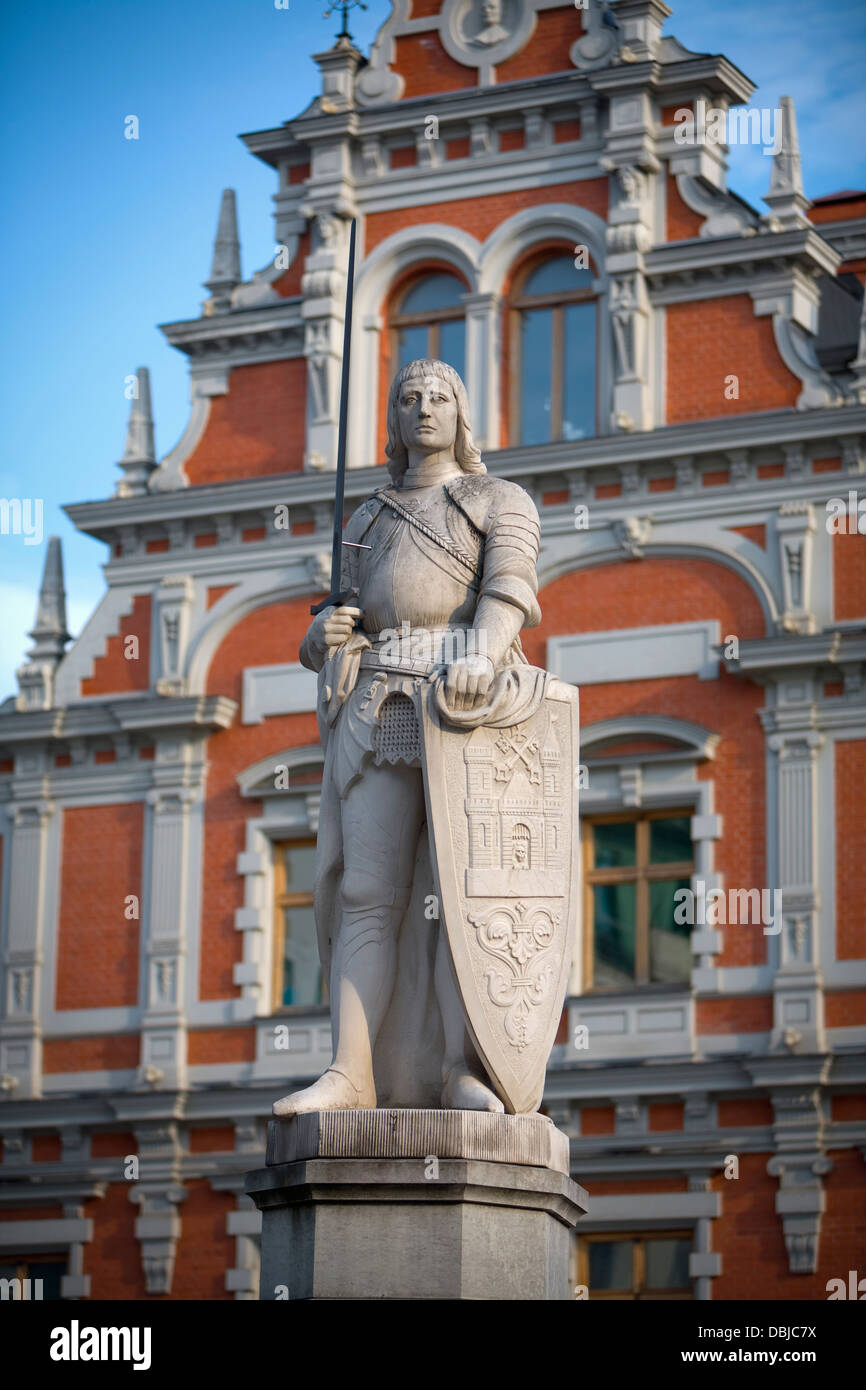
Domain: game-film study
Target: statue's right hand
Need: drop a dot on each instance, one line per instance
(334, 626)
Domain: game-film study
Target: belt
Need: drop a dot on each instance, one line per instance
(401, 665)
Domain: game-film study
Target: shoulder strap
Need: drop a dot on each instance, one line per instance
(442, 541)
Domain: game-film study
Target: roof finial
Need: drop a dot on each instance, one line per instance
(49, 634)
(139, 456)
(344, 6)
(786, 198)
(225, 271)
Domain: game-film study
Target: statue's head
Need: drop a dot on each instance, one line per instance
(491, 11)
(448, 406)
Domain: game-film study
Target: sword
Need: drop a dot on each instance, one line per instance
(337, 595)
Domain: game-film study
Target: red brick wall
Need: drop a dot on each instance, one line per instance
(427, 68)
(46, 1148)
(113, 1257)
(207, 1045)
(289, 283)
(682, 221)
(708, 340)
(481, 216)
(212, 1139)
(665, 1117)
(113, 1144)
(657, 591)
(748, 1111)
(750, 1238)
(849, 575)
(843, 211)
(117, 1052)
(547, 50)
(204, 1251)
(113, 673)
(257, 429)
(597, 1119)
(844, 1008)
(271, 634)
(97, 946)
(850, 766)
(734, 1014)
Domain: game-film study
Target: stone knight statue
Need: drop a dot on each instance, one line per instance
(446, 866)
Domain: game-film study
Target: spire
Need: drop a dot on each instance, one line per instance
(786, 199)
(225, 271)
(139, 456)
(49, 634)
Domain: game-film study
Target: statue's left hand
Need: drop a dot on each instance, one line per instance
(467, 681)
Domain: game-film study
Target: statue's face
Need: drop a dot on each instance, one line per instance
(492, 11)
(427, 412)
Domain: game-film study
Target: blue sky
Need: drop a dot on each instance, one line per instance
(104, 238)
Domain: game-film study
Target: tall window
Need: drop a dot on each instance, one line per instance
(553, 355)
(633, 867)
(641, 1267)
(297, 973)
(429, 321)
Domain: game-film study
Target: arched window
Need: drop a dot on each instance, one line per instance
(553, 353)
(429, 321)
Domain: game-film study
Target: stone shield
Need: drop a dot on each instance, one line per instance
(502, 808)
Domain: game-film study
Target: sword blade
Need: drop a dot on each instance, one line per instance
(335, 595)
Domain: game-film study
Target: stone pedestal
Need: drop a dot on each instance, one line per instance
(399, 1204)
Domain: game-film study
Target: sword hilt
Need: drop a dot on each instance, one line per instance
(333, 599)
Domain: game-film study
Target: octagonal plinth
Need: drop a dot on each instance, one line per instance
(419, 1220)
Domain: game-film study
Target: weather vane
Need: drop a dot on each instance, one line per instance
(344, 6)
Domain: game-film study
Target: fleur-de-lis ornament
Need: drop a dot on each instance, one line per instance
(344, 6)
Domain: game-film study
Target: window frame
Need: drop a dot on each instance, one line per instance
(641, 873)
(281, 899)
(431, 319)
(638, 1293)
(557, 301)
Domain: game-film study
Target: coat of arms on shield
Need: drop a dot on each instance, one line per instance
(502, 803)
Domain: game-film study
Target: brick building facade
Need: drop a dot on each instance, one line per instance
(680, 383)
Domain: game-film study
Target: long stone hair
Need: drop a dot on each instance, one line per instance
(466, 451)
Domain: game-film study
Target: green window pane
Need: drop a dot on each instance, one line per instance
(614, 845)
(559, 275)
(667, 1264)
(578, 406)
(300, 868)
(614, 918)
(670, 942)
(411, 344)
(670, 840)
(536, 366)
(610, 1265)
(433, 292)
(452, 345)
(302, 975)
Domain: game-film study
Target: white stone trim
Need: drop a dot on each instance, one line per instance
(641, 653)
(286, 689)
(170, 473)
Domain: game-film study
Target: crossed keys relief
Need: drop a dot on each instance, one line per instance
(524, 750)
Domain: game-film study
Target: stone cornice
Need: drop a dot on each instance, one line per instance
(154, 714)
(713, 261)
(768, 432)
(274, 330)
(775, 657)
